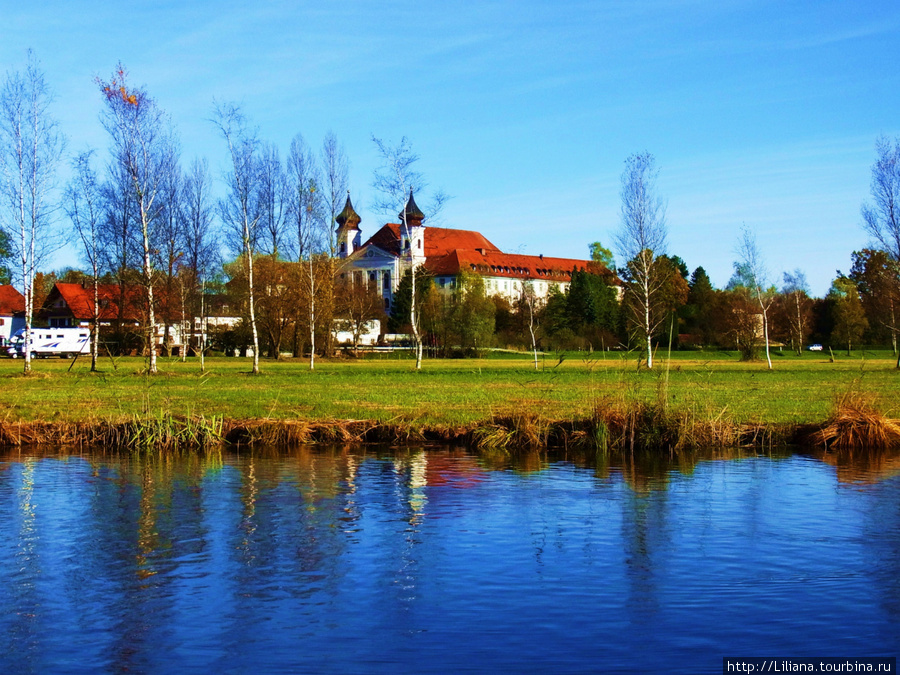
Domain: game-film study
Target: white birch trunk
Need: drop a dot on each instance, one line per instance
(148, 281)
(648, 328)
(312, 315)
(249, 255)
(765, 314)
(95, 342)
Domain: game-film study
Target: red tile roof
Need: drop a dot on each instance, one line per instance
(79, 301)
(448, 251)
(511, 265)
(11, 301)
(438, 240)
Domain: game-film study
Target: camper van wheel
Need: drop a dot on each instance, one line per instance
(34, 355)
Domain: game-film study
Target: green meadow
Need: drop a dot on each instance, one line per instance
(448, 392)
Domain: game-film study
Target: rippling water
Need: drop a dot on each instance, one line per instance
(341, 561)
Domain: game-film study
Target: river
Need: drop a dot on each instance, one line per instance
(340, 560)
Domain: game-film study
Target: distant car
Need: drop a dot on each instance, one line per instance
(815, 348)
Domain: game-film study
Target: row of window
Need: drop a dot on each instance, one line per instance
(523, 271)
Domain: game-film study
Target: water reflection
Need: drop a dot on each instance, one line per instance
(342, 559)
(862, 466)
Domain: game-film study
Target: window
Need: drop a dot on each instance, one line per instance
(386, 281)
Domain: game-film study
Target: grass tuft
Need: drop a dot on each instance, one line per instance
(856, 423)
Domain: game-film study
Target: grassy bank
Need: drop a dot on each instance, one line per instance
(798, 390)
(449, 397)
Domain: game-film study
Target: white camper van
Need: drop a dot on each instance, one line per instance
(60, 342)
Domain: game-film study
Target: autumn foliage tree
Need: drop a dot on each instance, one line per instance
(877, 278)
(848, 314)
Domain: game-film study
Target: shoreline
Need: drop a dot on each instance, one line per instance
(638, 428)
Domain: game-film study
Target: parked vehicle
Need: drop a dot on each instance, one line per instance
(62, 342)
(815, 348)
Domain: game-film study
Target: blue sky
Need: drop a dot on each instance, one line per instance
(758, 112)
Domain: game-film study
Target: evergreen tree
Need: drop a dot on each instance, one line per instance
(698, 312)
(398, 321)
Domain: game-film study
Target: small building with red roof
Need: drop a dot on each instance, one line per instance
(73, 305)
(445, 254)
(12, 312)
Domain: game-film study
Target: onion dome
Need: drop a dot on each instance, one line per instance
(348, 218)
(414, 215)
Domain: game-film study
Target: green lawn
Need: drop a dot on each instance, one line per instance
(446, 391)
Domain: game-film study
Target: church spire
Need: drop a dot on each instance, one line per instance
(414, 215)
(348, 234)
(348, 217)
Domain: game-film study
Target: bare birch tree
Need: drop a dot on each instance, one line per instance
(881, 217)
(201, 251)
(84, 207)
(272, 201)
(144, 150)
(306, 211)
(529, 302)
(30, 149)
(795, 292)
(394, 182)
(240, 210)
(641, 238)
(335, 181)
(119, 243)
(753, 267)
(168, 253)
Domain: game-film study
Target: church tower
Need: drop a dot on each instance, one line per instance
(348, 233)
(412, 231)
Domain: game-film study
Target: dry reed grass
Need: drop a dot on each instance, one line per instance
(616, 425)
(856, 423)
